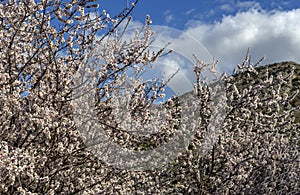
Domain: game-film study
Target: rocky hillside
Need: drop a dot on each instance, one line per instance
(293, 84)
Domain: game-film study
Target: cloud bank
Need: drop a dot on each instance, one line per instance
(274, 34)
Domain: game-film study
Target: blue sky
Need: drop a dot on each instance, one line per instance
(178, 13)
(226, 28)
(190, 14)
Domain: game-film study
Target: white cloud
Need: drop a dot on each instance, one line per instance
(183, 46)
(271, 34)
(169, 18)
(188, 12)
(227, 7)
(231, 6)
(180, 83)
(246, 5)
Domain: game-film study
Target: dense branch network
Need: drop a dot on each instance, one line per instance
(45, 45)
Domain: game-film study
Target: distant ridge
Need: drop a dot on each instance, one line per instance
(274, 69)
(290, 87)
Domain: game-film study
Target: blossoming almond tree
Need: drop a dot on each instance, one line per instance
(258, 149)
(45, 45)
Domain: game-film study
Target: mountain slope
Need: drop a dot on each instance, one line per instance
(292, 85)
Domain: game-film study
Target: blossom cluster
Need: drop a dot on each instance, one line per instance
(49, 50)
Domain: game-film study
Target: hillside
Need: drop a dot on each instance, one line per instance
(290, 87)
(275, 69)
(293, 85)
